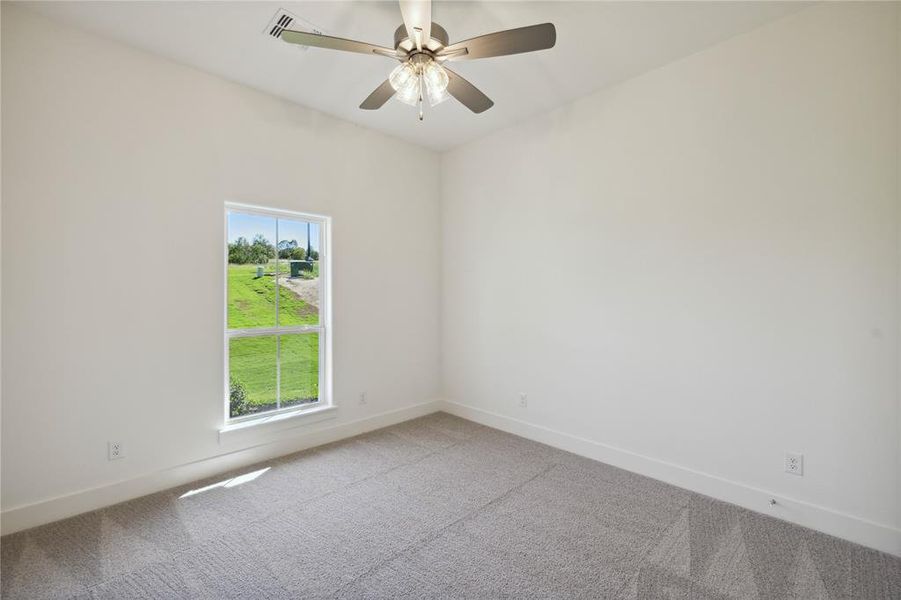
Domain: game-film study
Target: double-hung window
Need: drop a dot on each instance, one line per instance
(277, 313)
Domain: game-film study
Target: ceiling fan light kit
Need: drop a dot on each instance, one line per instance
(422, 47)
(417, 77)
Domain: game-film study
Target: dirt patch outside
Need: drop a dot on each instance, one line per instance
(305, 289)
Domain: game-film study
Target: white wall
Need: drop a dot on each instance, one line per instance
(898, 437)
(699, 266)
(116, 168)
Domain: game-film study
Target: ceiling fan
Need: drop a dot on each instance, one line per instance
(422, 47)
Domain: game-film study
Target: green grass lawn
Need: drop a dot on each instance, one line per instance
(251, 300)
(252, 361)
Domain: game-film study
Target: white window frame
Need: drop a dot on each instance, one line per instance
(324, 328)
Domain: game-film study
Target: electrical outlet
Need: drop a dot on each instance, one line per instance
(362, 397)
(523, 399)
(115, 450)
(794, 463)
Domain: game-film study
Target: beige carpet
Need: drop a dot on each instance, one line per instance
(436, 508)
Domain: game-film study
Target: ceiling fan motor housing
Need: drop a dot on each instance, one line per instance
(403, 43)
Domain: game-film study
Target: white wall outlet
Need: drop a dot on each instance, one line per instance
(523, 399)
(115, 450)
(794, 463)
(362, 397)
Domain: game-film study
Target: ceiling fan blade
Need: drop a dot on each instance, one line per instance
(378, 97)
(417, 15)
(304, 38)
(468, 95)
(502, 43)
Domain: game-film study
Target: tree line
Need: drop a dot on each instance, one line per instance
(260, 250)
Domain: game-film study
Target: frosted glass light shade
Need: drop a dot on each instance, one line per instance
(402, 76)
(435, 76)
(436, 81)
(409, 94)
(405, 82)
(436, 96)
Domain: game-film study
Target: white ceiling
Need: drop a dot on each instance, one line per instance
(598, 43)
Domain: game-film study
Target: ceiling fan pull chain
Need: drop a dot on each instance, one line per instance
(420, 95)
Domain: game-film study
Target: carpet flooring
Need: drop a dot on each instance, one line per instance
(437, 507)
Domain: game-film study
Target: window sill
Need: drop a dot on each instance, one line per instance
(277, 422)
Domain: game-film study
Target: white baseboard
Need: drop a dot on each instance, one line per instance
(826, 520)
(31, 515)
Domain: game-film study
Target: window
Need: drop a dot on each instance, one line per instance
(276, 313)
